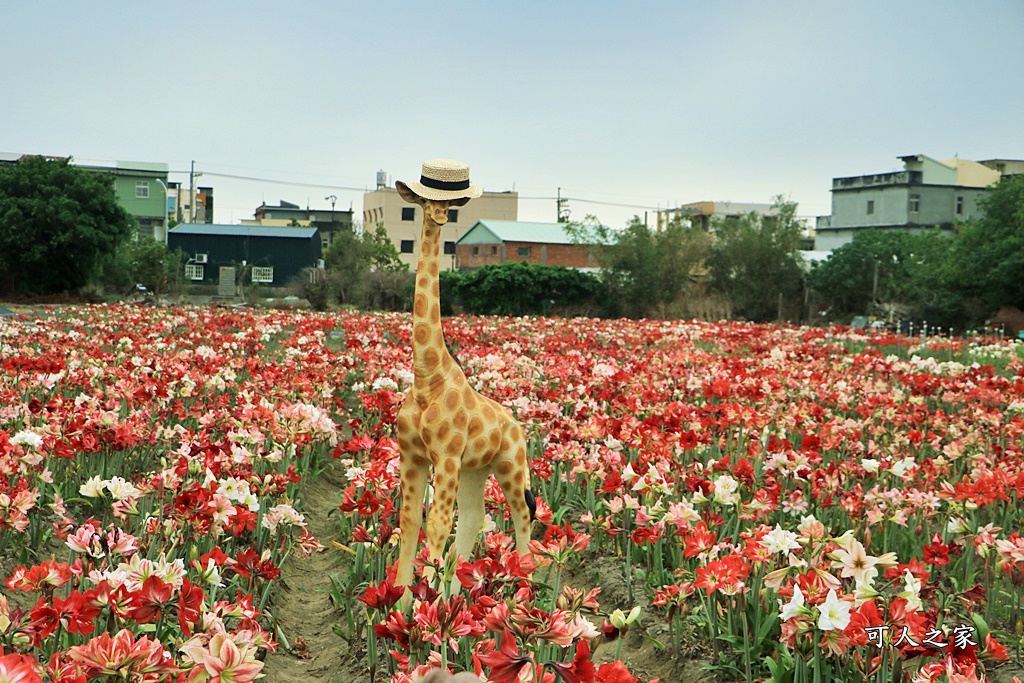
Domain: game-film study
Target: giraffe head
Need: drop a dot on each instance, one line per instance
(434, 210)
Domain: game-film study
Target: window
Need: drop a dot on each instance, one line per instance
(494, 251)
(407, 245)
(172, 201)
(959, 206)
(449, 247)
(915, 203)
(262, 274)
(524, 251)
(476, 251)
(1001, 168)
(142, 189)
(193, 272)
(408, 213)
(871, 206)
(453, 215)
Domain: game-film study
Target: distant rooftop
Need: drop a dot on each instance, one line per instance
(518, 231)
(242, 230)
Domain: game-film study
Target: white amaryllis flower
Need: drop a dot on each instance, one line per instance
(93, 488)
(794, 607)
(912, 592)
(120, 488)
(27, 437)
(855, 562)
(779, 540)
(725, 490)
(620, 620)
(870, 465)
(834, 613)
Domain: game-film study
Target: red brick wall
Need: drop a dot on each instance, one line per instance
(567, 255)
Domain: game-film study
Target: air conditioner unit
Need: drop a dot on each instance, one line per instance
(200, 258)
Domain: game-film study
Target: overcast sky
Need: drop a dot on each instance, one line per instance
(641, 103)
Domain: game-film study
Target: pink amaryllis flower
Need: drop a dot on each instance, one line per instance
(17, 668)
(123, 656)
(223, 661)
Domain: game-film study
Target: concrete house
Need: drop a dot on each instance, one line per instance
(403, 221)
(491, 242)
(273, 255)
(328, 221)
(925, 194)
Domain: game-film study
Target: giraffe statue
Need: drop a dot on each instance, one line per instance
(444, 423)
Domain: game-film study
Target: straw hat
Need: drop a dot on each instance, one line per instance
(443, 179)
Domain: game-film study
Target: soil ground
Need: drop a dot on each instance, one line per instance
(303, 605)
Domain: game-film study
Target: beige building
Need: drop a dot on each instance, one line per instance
(700, 214)
(403, 221)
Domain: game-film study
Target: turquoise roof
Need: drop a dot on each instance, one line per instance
(487, 231)
(242, 230)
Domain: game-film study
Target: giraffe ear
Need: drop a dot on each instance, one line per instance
(461, 201)
(407, 194)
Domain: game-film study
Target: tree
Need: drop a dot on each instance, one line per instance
(644, 270)
(755, 259)
(884, 268)
(144, 261)
(352, 257)
(57, 221)
(987, 257)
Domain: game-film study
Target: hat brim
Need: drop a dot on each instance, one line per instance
(421, 190)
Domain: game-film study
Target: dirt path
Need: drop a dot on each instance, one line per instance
(303, 605)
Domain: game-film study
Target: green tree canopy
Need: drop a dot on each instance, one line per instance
(644, 269)
(987, 259)
(57, 221)
(883, 267)
(351, 257)
(755, 259)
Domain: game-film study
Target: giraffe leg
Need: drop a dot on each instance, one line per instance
(513, 476)
(414, 486)
(472, 486)
(439, 520)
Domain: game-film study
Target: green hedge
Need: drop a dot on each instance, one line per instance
(517, 288)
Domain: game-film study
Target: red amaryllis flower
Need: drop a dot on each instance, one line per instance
(383, 596)
(936, 553)
(18, 669)
(699, 541)
(149, 603)
(720, 574)
(580, 669)
(190, 600)
(613, 672)
(505, 663)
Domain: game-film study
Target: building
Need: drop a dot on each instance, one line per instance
(490, 242)
(404, 222)
(700, 214)
(274, 256)
(1005, 166)
(925, 194)
(327, 221)
(142, 189)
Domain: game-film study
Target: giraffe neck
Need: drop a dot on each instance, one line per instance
(430, 357)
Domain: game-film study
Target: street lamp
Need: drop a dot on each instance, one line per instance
(167, 207)
(333, 199)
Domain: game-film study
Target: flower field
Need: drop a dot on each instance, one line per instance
(789, 504)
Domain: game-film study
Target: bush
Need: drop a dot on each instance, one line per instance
(517, 288)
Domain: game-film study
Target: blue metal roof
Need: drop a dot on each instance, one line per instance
(243, 230)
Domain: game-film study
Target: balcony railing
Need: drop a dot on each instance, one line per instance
(877, 180)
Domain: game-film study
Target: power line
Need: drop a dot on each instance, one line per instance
(365, 189)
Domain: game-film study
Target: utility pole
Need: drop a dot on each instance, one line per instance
(192, 193)
(563, 208)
